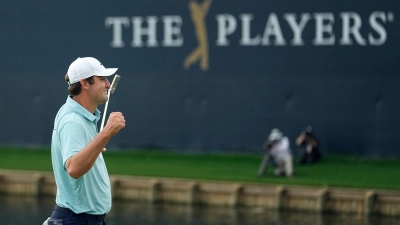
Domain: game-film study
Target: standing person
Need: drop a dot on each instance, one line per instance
(309, 146)
(278, 154)
(83, 184)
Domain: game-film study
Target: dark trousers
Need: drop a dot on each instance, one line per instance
(309, 157)
(64, 216)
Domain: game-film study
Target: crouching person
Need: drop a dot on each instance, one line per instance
(277, 154)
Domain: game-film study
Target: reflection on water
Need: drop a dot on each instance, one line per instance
(30, 210)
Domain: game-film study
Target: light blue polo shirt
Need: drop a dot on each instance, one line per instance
(74, 128)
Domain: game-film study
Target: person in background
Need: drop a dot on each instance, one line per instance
(277, 154)
(309, 146)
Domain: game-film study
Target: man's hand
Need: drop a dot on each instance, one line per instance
(115, 123)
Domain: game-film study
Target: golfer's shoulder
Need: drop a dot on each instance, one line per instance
(69, 115)
(71, 122)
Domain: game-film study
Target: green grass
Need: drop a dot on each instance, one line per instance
(332, 171)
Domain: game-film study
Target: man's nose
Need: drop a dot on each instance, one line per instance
(107, 83)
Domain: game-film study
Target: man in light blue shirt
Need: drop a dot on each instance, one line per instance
(83, 185)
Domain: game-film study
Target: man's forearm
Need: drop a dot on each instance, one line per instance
(83, 161)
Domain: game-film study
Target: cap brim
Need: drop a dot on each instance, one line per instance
(107, 72)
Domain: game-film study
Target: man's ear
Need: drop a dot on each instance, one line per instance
(84, 84)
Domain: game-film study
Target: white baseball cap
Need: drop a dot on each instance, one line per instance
(276, 134)
(86, 67)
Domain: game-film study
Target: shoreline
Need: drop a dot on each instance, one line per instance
(220, 193)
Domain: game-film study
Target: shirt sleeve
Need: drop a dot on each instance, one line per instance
(284, 144)
(72, 137)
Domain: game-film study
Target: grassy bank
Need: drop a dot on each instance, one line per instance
(332, 171)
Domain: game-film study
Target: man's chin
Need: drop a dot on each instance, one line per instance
(103, 101)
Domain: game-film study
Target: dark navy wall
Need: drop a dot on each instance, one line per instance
(347, 91)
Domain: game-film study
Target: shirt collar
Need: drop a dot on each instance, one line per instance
(82, 111)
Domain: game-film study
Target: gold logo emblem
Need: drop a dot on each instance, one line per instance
(198, 13)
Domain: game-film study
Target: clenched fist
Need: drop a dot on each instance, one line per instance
(115, 123)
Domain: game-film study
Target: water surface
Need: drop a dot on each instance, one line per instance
(31, 210)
